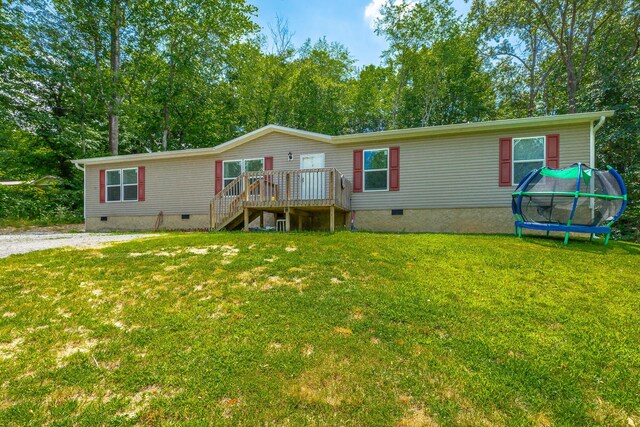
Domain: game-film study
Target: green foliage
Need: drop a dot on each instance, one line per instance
(54, 204)
(196, 73)
(439, 76)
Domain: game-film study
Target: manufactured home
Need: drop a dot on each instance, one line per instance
(453, 178)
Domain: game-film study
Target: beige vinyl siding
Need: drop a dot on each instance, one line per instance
(439, 172)
(435, 172)
(173, 186)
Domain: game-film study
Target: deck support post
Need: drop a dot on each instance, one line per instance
(288, 186)
(332, 219)
(261, 219)
(246, 219)
(287, 223)
(212, 214)
(299, 222)
(332, 185)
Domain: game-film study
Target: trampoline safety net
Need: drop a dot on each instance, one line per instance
(577, 198)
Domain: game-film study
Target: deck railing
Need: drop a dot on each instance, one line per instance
(282, 188)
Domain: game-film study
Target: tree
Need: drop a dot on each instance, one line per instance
(513, 39)
(366, 106)
(438, 76)
(115, 25)
(572, 26)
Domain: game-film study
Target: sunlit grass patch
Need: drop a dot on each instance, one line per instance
(318, 329)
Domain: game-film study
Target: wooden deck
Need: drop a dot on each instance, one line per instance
(300, 192)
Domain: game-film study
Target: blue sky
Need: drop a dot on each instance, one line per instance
(344, 21)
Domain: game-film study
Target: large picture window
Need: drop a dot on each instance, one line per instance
(122, 185)
(376, 170)
(528, 154)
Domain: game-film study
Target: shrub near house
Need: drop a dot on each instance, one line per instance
(47, 205)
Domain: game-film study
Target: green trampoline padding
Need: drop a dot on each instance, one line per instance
(568, 173)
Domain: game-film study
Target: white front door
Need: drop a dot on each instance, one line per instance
(312, 184)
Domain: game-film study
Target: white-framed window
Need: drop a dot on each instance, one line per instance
(231, 169)
(376, 169)
(253, 165)
(528, 154)
(122, 185)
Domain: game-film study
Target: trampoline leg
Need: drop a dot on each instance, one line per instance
(606, 239)
(566, 238)
(515, 230)
(519, 232)
(548, 233)
(591, 237)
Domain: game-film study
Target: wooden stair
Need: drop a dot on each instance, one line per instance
(235, 221)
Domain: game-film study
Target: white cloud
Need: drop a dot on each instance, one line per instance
(372, 11)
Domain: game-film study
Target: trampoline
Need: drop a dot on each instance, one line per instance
(577, 199)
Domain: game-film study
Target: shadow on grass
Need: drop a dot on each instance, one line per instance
(631, 248)
(576, 244)
(581, 244)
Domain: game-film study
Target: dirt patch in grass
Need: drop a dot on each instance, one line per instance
(73, 347)
(417, 417)
(332, 383)
(343, 331)
(257, 278)
(141, 400)
(9, 349)
(307, 350)
(230, 405)
(606, 413)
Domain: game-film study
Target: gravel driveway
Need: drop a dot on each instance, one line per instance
(11, 244)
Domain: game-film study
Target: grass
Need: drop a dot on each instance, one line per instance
(26, 223)
(318, 329)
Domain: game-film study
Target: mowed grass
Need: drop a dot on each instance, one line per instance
(318, 329)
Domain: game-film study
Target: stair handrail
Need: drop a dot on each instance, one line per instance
(223, 201)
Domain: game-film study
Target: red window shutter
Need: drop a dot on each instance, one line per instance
(268, 163)
(394, 168)
(268, 166)
(357, 171)
(218, 176)
(141, 183)
(553, 151)
(505, 162)
(103, 186)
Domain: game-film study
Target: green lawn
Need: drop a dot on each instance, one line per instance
(318, 329)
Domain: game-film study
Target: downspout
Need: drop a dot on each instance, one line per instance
(592, 160)
(84, 192)
(592, 141)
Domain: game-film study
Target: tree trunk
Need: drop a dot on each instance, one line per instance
(169, 97)
(396, 101)
(165, 130)
(572, 88)
(116, 22)
(532, 75)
